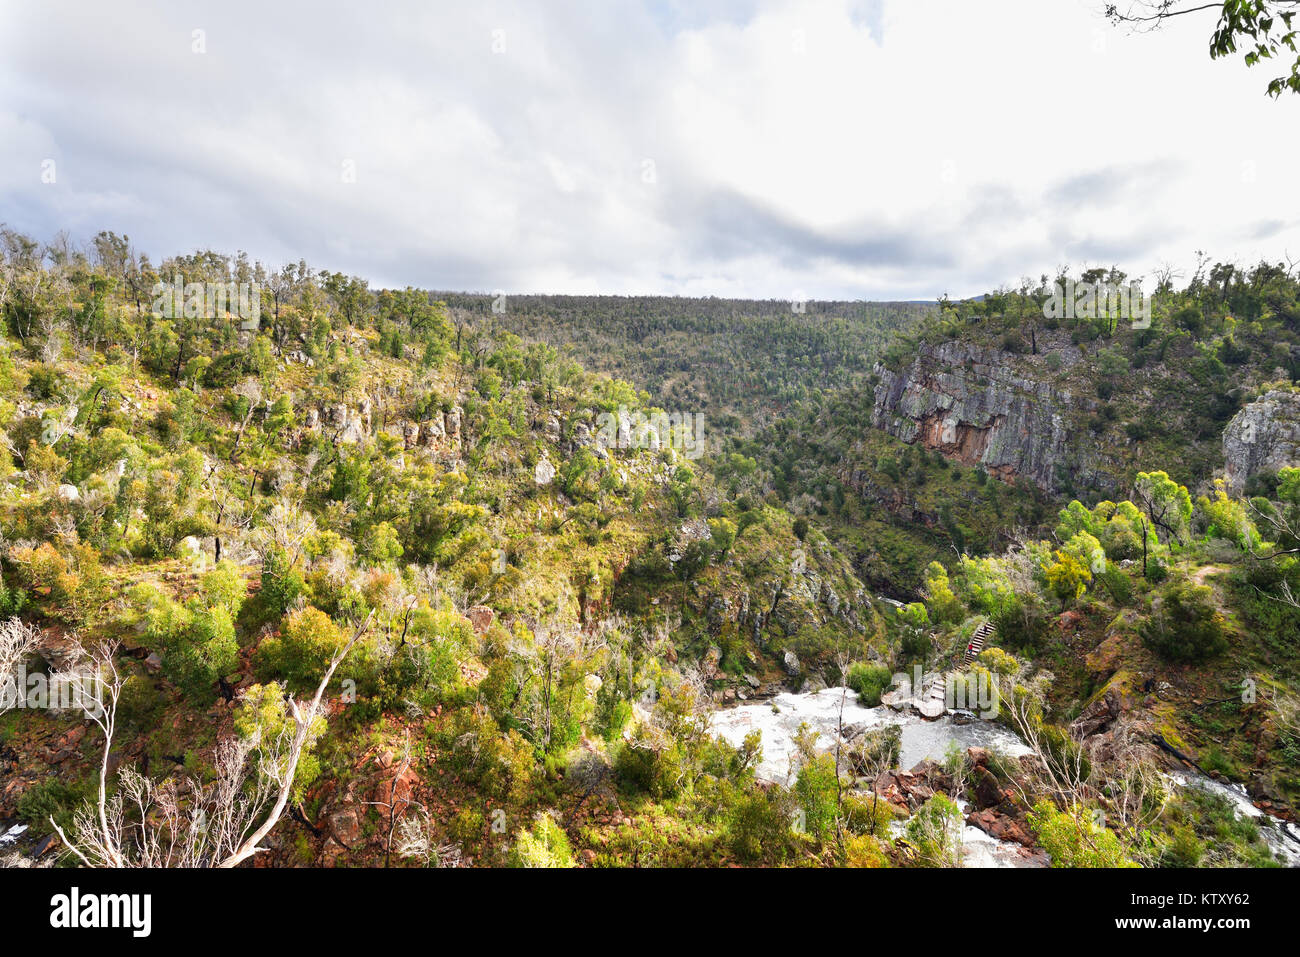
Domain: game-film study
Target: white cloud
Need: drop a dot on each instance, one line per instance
(878, 149)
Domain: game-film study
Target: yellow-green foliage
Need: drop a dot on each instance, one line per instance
(870, 815)
(935, 832)
(1067, 576)
(999, 662)
(1226, 517)
(1185, 624)
(545, 845)
(1073, 838)
(986, 582)
(943, 605)
(71, 582)
(1168, 503)
(263, 717)
(1118, 528)
(1088, 551)
(301, 651)
(501, 764)
(863, 850)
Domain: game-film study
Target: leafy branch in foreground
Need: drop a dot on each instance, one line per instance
(1262, 27)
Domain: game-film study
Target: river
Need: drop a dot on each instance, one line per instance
(779, 719)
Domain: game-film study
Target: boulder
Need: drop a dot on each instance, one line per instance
(481, 617)
(345, 825)
(552, 427)
(1098, 715)
(544, 472)
(1003, 827)
(58, 651)
(432, 431)
(1263, 437)
(712, 658)
(984, 788)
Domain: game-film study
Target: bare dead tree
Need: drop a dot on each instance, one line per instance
(17, 640)
(938, 835)
(958, 765)
(417, 840)
(1282, 527)
(1064, 770)
(104, 689)
(842, 662)
(877, 753)
(1279, 527)
(1286, 713)
(555, 646)
(251, 391)
(191, 824)
(1135, 791)
(303, 720)
(287, 527)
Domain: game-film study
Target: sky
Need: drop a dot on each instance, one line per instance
(820, 149)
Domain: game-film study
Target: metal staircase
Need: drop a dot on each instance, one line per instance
(982, 634)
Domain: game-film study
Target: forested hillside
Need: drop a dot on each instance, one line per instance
(368, 579)
(740, 362)
(210, 513)
(990, 416)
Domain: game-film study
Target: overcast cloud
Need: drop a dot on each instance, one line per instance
(834, 149)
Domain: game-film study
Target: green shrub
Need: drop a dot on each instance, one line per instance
(301, 651)
(52, 798)
(1072, 839)
(1020, 624)
(204, 652)
(758, 826)
(12, 600)
(1183, 849)
(869, 815)
(196, 640)
(281, 583)
(1184, 624)
(546, 845)
(870, 682)
(1118, 585)
(647, 764)
(863, 850)
(816, 789)
(935, 831)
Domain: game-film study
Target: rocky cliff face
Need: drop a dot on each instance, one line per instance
(969, 403)
(1262, 437)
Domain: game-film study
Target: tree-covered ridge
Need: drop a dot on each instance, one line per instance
(1128, 399)
(1165, 386)
(741, 362)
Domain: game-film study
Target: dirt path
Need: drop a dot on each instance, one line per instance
(1200, 575)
